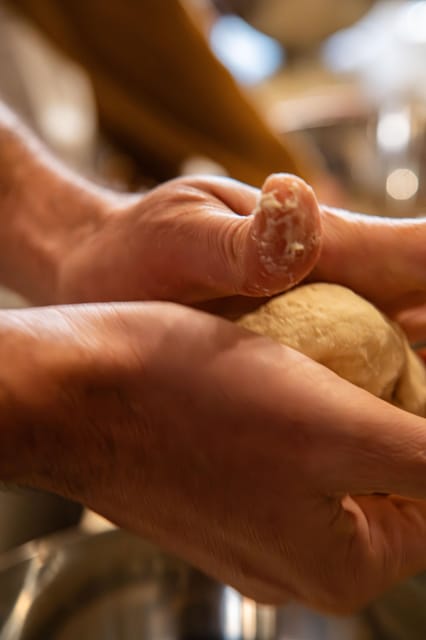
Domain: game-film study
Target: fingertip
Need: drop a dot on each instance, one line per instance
(286, 185)
(286, 231)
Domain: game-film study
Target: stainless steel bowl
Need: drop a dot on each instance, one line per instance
(401, 614)
(355, 144)
(113, 586)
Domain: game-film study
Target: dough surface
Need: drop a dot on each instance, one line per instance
(347, 334)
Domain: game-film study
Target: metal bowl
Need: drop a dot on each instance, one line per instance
(354, 142)
(113, 586)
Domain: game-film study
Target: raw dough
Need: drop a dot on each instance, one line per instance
(347, 334)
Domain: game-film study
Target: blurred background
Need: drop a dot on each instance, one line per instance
(133, 97)
(134, 93)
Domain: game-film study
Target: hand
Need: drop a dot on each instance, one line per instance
(227, 449)
(63, 239)
(192, 240)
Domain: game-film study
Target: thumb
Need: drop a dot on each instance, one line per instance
(276, 245)
(381, 450)
(389, 544)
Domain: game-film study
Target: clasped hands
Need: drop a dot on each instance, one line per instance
(245, 458)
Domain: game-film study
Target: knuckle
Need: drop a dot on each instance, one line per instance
(227, 241)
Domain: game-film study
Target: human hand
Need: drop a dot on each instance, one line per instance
(193, 239)
(64, 239)
(241, 456)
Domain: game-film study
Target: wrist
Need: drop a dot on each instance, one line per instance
(45, 210)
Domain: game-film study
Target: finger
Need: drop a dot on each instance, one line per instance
(375, 542)
(275, 247)
(390, 542)
(286, 232)
(392, 249)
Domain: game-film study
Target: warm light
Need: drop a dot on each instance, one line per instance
(402, 184)
(201, 165)
(65, 125)
(393, 131)
(249, 622)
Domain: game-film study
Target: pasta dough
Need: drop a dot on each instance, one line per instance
(347, 334)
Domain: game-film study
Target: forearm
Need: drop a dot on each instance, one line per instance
(64, 374)
(44, 210)
(19, 387)
(49, 365)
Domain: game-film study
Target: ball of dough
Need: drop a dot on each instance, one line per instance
(347, 334)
